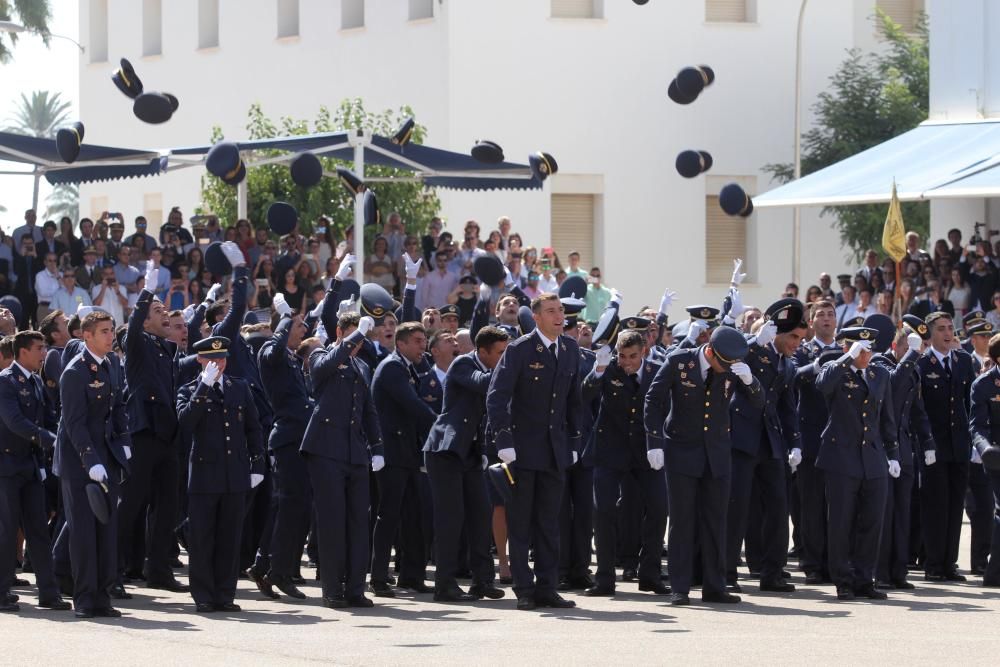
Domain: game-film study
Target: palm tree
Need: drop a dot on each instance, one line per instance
(32, 14)
(39, 116)
(64, 200)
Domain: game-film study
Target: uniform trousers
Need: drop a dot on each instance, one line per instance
(93, 545)
(811, 484)
(942, 496)
(979, 507)
(576, 522)
(854, 519)
(697, 524)
(652, 508)
(291, 521)
(894, 549)
(629, 524)
(533, 520)
(397, 488)
(769, 475)
(341, 495)
(215, 521)
(22, 503)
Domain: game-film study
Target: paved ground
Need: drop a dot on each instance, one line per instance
(925, 626)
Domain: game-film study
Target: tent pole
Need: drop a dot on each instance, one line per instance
(241, 199)
(797, 213)
(359, 215)
(34, 193)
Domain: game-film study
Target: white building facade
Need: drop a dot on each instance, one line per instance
(585, 80)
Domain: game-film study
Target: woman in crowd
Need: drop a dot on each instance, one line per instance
(195, 262)
(72, 244)
(959, 293)
(294, 292)
(378, 266)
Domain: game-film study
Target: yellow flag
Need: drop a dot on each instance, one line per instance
(894, 234)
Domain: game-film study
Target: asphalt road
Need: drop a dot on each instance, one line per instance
(931, 624)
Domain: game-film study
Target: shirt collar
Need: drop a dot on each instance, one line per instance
(99, 360)
(24, 370)
(941, 357)
(545, 341)
(703, 361)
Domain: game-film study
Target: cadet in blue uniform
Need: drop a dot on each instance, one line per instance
(534, 411)
(763, 437)
(857, 453)
(226, 461)
(92, 441)
(985, 429)
(979, 499)
(687, 429)
(620, 386)
(26, 434)
(946, 377)
(342, 438)
(454, 452)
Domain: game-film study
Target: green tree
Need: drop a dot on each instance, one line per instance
(267, 184)
(872, 98)
(63, 200)
(32, 14)
(38, 116)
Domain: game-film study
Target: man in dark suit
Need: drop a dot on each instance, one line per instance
(687, 429)
(763, 438)
(454, 452)
(946, 377)
(620, 386)
(26, 433)
(27, 263)
(151, 372)
(93, 445)
(340, 441)
(534, 410)
(857, 453)
(404, 420)
(226, 461)
(89, 273)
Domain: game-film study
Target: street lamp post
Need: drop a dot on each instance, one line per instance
(16, 28)
(796, 213)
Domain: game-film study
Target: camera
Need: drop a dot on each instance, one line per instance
(977, 237)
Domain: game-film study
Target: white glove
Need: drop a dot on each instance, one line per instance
(346, 265)
(507, 455)
(669, 296)
(794, 458)
(976, 458)
(894, 469)
(321, 334)
(914, 342)
(280, 305)
(508, 280)
(738, 277)
(486, 462)
(345, 306)
(412, 268)
(255, 479)
(655, 458)
(767, 333)
(378, 462)
(98, 473)
(42, 474)
(233, 254)
(858, 347)
(737, 308)
(697, 328)
(128, 452)
(213, 293)
(315, 312)
(603, 355)
(210, 374)
(576, 457)
(82, 311)
(152, 276)
(930, 457)
(742, 371)
(365, 325)
(616, 297)
(485, 292)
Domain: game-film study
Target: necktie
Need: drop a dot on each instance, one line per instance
(861, 377)
(946, 361)
(38, 387)
(552, 351)
(634, 377)
(217, 388)
(709, 375)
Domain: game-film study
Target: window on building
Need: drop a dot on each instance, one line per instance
(725, 238)
(421, 9)
(904, 12)
(152, 209)
(208, 24)
(730, 11)
(572, 228)
(352, 14)
(152, 27)
(288, 18)
(98, 47)
(577, 9)
(98, 205)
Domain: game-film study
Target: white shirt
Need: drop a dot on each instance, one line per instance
(110, 302)
(549, 284)
(46, 285)
(69, 302)
(440, 375)
(546, 342)
(99, 360)
(703, 364)
(24, 370)
(941, 357)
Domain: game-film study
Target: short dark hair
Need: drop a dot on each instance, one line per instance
(215, 312)
(93, 318)
(48, 325)
(73, 325)
(438, 337)
(407, 329)
(489, 336)
(572, 253)
(994, 347)
(939, 315)
(7, 347)
(23, 340)
(348, 320)
(536, 303)
(630, 339)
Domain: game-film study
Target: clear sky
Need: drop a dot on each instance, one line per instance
(34, 67)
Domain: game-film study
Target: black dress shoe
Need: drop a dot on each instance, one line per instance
(263, 585)
(285, 585)
(953, 575)
(554, 600)
(785, 574)
(734, 587)
(465, 573)
(171, 585)
(845, 593)
(814, 579)
(204, 607)
(581, 583)
(599, 591)
(181, 536)
(480, 591)
(382, 590)
(133, 575)
(298, 580)
(991, 583)
(65, 585)
(335, 602)
(936, 578)
(871, 592)
(9, 606)
(679, 599)
(454, 594)
(629, 574)
(902, 585)
(107, 612)
(118, 592)
(721, 598)
(11, 597)
(564, 585)
(230, 607)
(84, 613)
(415, 586)
(884, 585)
(777, 586)
(359, 601)
(176, 564)
(21, 582)
(56, 603)
(506, 581)
(526, 603)
(657, 587)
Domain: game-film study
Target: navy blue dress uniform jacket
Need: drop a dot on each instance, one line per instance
(588, 413)
(403, 416)
(226, 436)
(429, 388)
(94, 427)
(947, 403)
(619, 437)
(908, 407)
(25, 424)
(812, 407)
(52, 368)
(984, 426)
(460, 427)
(860, 436)
(778, 416)
(697, 431)
(343, 425)
(152, 374)
(534, 403)
(285, 386)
